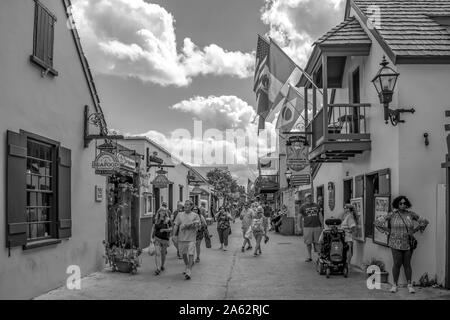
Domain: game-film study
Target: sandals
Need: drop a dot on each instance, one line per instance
(157, 272)
(242, 249)
(250, 248)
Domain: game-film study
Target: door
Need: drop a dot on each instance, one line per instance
(354, 128)
(372, 187)
(170, 197)
(348, 190)
(157, 195)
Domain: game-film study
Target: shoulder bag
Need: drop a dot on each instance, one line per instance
(411, 239)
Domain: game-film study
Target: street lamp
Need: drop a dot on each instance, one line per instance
(384, 83)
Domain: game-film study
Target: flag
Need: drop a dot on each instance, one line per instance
(262, 54)
(292, 109)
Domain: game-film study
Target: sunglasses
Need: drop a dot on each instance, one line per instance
(402, 202)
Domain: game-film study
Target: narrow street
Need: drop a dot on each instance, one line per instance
(280, 273)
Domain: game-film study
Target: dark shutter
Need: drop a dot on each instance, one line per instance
(16, 190)
(44, 34)
(384, 182)
(64, 194)
(359, 186)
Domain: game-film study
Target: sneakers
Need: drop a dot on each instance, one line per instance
(250, 248)
(187, 275)
(225, 248)
(197, 260)
(411, 289)
(242, 249)
(393, 289)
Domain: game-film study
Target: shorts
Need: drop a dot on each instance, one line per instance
(186, 247)
(164, 244)
(311, 235)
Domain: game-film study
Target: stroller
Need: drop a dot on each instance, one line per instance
(333, 252)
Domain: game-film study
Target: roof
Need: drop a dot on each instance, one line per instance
(409, 29)
(157, 146)
(347, 32)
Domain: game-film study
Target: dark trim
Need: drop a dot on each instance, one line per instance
(423, 60)
(387, 49)
(43, 65)
(345, 49)
(37, 2)
(447, 230)
(40, 138)
(41, 243)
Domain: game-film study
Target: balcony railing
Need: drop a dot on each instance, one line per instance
(346, 132)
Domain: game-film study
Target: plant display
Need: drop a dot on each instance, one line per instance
(375, 262)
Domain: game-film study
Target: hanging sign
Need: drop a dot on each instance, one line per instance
(331, 196)
(300, 180)
(161, 180)
(297, 153)
(126, 162)
(106, 164)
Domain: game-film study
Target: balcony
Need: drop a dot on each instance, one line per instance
(267, 184)
(346, 133)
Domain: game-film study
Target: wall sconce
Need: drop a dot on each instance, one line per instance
(288, 175)
(427, 141)
(384, 83)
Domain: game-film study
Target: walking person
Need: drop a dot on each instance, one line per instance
(259, 229)
(312, 225)
(179, 209)
(399, 225)
(223, 227)
(246, 217)
(186, 226)
(349, 226)
(160, 238)
(200, 232)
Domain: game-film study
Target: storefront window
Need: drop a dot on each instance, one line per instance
(40, 190)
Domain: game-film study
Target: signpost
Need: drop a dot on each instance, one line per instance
(106, 164)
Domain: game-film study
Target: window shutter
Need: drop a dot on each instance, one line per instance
(44, 34)
(384, 181)
(64, 194)
(16, 189)
(359, 186)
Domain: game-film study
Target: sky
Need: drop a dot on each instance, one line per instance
(159, 65)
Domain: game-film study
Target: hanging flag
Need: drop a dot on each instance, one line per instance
(292, 108)
(262, 54)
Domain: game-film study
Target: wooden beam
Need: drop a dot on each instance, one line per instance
(325, 95)
(306, 105)
(314, 101)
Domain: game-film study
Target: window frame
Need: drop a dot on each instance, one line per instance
(53, 238)
(34, 58)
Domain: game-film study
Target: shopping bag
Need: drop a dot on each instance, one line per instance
(249, 234)
(151, 250)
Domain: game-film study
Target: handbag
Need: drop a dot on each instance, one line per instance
(412, 241)
(207, 240)
(151, 250)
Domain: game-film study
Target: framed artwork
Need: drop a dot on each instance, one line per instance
(381, 209)
(358, 203)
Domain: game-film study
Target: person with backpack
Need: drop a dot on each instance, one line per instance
(160, 238)
(400, 225)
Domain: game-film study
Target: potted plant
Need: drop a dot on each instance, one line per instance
(384, 275)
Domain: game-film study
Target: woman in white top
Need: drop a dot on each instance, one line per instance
(349, 226)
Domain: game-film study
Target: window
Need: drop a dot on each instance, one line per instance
(148, 198)
(377, 184)
(181, 193)
(40, 175)
(38, 191)
(43, 40)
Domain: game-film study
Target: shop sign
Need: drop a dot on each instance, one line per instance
(331, 196)
(126, 162)
(297, 154)
(106, 164)
(160, 181)
(300, 180)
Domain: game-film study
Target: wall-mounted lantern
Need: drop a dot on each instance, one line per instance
(384, 83)
(288, 175)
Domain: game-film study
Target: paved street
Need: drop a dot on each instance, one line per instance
(279, 273)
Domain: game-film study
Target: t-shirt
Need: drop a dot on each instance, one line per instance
(189, 233)
(164, 235)
(347, 224)
(247, 217)
(310, 213)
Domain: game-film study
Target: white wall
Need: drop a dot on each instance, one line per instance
(53, 108)
(415, 169)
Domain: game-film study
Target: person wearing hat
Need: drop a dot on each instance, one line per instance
(312, 225)
(349, 226)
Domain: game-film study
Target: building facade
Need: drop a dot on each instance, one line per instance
(50, 223)
(359, 157)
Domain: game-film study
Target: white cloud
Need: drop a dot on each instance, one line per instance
(224, 112)
(296, 24)
(135, 38)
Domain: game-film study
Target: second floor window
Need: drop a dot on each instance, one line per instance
(44, 30)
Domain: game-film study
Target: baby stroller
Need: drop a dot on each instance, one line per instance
(333, 252)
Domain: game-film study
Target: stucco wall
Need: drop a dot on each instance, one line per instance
(53, 108)
(415, 169)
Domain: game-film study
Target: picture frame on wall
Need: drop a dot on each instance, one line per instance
(358, 203)
(382, 208)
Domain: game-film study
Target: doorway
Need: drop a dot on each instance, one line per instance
(171, 197)
(372, 188)
(157, 195)
(348, 190)
(320, 190)
(356, 98)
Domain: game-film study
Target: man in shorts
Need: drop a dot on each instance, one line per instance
(186, 225)
(312, 225)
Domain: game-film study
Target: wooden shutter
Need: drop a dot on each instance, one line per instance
(16, 194)
(64, 194)
(359, 186)
(384, 182)
(44, 34)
